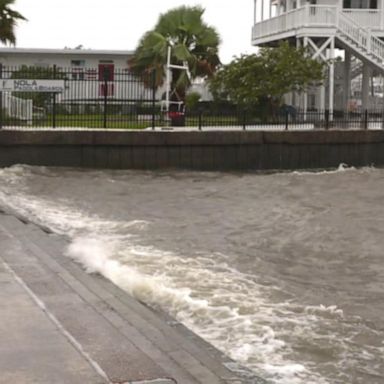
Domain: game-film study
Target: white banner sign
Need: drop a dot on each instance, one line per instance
(35, 85)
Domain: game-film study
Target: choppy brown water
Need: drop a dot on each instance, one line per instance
(284, 272)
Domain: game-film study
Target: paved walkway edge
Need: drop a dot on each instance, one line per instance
(57, 323)
(141, 346)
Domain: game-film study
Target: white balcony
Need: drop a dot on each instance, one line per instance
(321, 20)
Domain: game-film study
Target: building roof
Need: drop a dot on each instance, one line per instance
(65, 51)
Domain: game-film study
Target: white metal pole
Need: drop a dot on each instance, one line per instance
(305, 95)
(296, 95)
(331, 78)
(381, 14)
(347, 79)
(168, 79)
(322, 98)
(262, 10)
(365, 86)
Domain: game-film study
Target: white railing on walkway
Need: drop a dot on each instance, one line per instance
(16, 107)
(365, 17)
(315, 16)
(307, 16)
(320, 16)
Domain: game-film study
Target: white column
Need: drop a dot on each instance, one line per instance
(168, 79)
(270, 9)
(382, 85)
(381, 8)
(365, 86)
(331, 78)
(322, 98)
(295, 95)
(254, 11)
(298, 3)
(372, 83)
(305, 94)
(278, 7)
(347, 79)
(262, 10)
(339, 4)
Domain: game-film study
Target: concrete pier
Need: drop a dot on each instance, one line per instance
(60, 325)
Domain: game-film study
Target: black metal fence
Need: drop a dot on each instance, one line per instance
(101, 97)
(106, 97)
(287, 119)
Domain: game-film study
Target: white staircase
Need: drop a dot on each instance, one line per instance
(365, 45)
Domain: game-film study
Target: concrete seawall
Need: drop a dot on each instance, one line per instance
(225, 150)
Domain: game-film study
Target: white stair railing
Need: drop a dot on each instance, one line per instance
(361, 37)
(18, 108)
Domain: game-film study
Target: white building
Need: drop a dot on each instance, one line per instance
(90, 76)
(96, 66)
(64, 58)
(356, 27)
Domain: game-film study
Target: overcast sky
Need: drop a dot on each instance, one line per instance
(119, 24)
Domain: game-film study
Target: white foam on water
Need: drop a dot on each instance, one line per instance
(330, 311)
(341, 168)
(227, 308)
(59, 215)
(223, 306)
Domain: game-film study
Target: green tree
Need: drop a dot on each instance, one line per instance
(252, 79)
(8, 21)
(191, 41)
(192, 100)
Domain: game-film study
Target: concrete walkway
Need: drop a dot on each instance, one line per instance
(61, 325)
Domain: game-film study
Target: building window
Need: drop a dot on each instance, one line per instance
(77, 69)
(77, 63)
(360, 4)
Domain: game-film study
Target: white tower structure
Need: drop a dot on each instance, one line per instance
(353, 28)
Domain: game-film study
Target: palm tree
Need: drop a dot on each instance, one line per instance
(191, 41)
(8, 21)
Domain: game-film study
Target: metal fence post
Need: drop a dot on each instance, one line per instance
(286, 120)
(54, 101)
(1, 98)
(153, 98)
(366, 119)
(200, 120)
(244, 120)
(105, 75)
(382, 119)
(326, 115)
